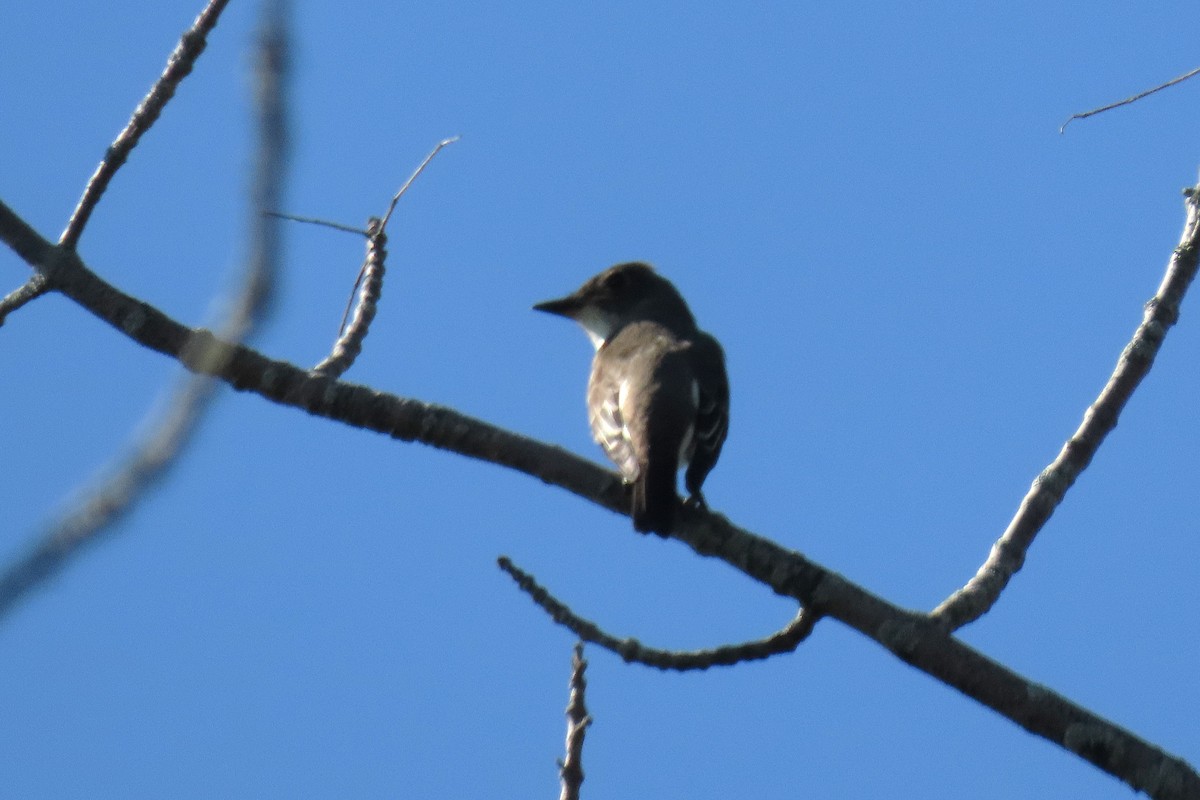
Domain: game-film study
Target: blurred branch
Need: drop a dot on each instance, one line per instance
(31, 290)
(1008, 553)
(158, 449)
(914, 638)
(570, 769)
(1128, 100)
(631, 650)
(179, 66)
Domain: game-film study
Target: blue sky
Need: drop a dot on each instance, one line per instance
(920, 286)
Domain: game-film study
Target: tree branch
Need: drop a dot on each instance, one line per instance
(632, 651)
(914, 638)
(155, 452)
(570, 769)
(369, 284)
(1008, 553)
(179, 66)
(922, 643)
(27, 292)
(1128, 100)
(369, 288)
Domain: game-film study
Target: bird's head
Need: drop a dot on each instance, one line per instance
(630, 292)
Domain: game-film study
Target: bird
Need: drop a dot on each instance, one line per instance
(658, 393)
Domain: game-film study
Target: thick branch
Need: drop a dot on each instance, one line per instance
(914, 638)
(919, 641)
(359, 406)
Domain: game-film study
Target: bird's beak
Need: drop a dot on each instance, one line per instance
(564, 306)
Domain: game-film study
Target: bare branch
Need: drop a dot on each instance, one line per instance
(570, 769)
(1128, 100)
(922, 643)
(179, 65)
(248, 370)
(914, 638)
(369, 284)
(369, 287)
(337, 226)
(158, 450)
(27, 292)
(1008, 553)
(420, 168)
(633, 651)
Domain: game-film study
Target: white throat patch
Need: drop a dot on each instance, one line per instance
(596, 325)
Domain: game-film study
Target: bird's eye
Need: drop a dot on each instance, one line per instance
(616, 281)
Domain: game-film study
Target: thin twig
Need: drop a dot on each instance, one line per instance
(316, 221)
(420, 168)
(1008, 554)
(1129, 100)
(32, 289)
(368, 285)
(631, 650)
(570, 769)
(179, 65)
(155, 452)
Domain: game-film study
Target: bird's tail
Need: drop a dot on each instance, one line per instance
(654, 500)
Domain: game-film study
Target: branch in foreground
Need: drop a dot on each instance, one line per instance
(179, 66)
(1008, 553)
(158, 450)
(570, 769)
(1128, 100)
(914, 638)
(631, 650)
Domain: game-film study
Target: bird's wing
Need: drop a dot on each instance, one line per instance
(608, 424)
(712, 416)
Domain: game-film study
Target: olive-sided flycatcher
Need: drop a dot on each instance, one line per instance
(658, 396)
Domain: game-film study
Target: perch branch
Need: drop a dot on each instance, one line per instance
(914, 638)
